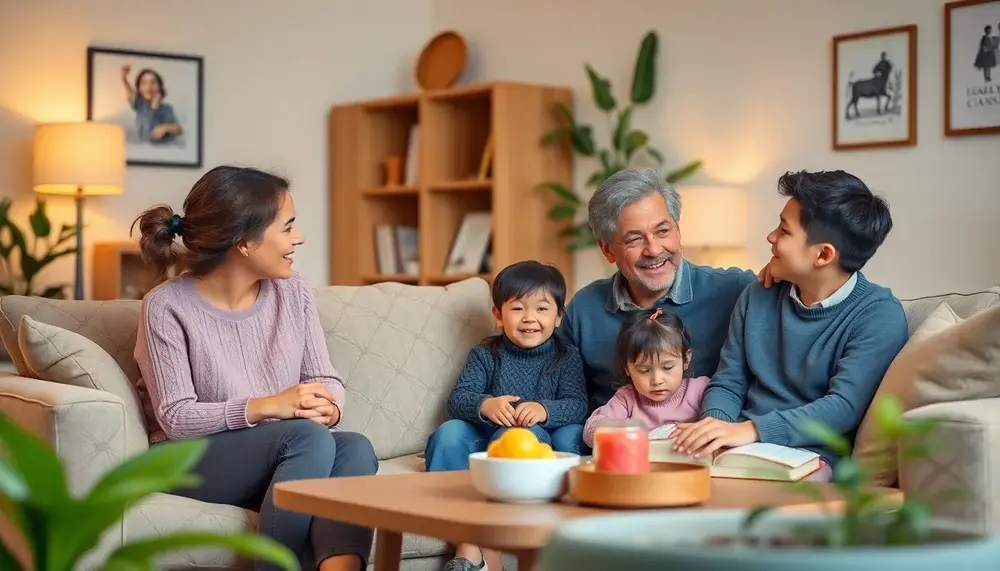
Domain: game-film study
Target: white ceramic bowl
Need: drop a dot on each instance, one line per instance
(515, 480)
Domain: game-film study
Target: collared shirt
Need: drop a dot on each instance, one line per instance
(835, 298)
(620, 300)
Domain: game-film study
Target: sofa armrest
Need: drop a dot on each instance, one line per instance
(86, 427)
(960, 478)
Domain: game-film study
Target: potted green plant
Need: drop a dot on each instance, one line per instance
(60, 529)
(628, 146)
(866, 532)
(23, 256)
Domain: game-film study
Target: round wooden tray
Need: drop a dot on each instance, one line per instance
(667, 484)
(442, 61)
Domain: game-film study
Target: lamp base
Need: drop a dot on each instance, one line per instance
(78, 281)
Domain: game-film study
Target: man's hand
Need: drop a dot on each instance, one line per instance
(765, 277)
(500, 410)
(320, 410)
(704, 437)
(529, 414)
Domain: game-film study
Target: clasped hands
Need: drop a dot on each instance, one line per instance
(303, 400)
(706, 436)
(501, 410)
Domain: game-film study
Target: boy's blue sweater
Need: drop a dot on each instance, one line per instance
(702, 296)
(783, 362)
(534, 375)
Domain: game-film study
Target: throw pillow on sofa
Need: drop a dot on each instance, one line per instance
(61, 356)
(947, 359)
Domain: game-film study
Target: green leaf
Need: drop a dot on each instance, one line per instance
(826, 436)
(889, 416)
(39, 221)
(618, 140)
(249, 545)
(636, 140)
(564, 192)
(683, 172)
(597, 178)
(562, 211)
(753, 516)
(657, 155)
(644, 77)
(36, 462)
(556, 135)
(601, 89)
(7, 559)
(12, 485)
(583, 140)
(168, 461)
(847, 473)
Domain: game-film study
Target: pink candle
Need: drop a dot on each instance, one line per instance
(621, 448)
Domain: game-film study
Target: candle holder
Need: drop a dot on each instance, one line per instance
(621, 447)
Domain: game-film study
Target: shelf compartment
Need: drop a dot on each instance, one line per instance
(462, 186)
(387, 128)
(441, 218)
(379, 210)
(453, 137)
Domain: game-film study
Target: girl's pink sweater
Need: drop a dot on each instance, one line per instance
(627, 403)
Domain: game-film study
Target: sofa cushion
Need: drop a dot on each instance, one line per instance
(110, 324)
(958, 362)
(55, 354)
(400, 349)
(963, 304)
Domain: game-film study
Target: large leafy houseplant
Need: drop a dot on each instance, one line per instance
(33, 252)
(628, 144)
(60, 528)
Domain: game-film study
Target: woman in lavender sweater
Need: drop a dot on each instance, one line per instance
(232, 350)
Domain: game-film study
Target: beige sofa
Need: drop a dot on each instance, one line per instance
(400, 349)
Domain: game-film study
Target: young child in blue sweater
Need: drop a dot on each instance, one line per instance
(815, 346)
(523, 377)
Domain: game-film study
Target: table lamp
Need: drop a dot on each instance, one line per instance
(714, 224)
(79, 160)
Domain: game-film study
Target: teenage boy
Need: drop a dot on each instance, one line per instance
(816, 345)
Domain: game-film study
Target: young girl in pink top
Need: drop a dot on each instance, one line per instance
(653, 352)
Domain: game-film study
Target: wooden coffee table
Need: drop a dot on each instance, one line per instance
(444, 505)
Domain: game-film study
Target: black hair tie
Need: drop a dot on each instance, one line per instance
(175, 226)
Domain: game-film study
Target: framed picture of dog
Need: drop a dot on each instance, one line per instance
(875, 89)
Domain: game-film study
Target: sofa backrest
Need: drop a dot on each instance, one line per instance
(964, 304)
(398, 347)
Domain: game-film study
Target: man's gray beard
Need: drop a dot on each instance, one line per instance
(656, 287)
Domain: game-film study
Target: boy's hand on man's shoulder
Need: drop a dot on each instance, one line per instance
(529, 414)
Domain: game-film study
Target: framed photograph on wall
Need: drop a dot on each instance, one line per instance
(971, 75)
(156, 97)
(875, 89)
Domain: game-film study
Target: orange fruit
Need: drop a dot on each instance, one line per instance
(519, 443)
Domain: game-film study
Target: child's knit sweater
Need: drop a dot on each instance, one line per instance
(682, 406)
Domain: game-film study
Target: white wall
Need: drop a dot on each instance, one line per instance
(272, 71)
(745, 86)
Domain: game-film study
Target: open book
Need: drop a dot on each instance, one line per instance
(757, 461)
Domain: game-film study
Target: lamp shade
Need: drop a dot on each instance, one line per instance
(87, 158)
(713, 216)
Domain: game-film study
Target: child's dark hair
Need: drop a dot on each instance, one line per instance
(838, 208)
(647, 333)
(159, 81)
(524, 278)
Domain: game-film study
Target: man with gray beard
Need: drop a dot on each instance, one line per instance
(636, 219)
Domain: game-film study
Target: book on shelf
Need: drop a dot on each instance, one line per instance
(397, 249)
(757, 461)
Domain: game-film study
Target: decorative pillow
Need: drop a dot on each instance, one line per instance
(947, 359)
(61, 356)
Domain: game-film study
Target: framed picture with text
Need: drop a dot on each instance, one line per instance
(971, 76)
(875, 89)
(156, 97)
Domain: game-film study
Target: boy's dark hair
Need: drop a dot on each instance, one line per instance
(523, 278)
(159, 81)
(838, 208)
(649, 332)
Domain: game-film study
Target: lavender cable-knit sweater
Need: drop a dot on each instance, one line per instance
(200, 364)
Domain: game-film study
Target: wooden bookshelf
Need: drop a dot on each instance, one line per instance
(454, 127)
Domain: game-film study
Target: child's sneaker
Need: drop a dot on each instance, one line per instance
(463, 564)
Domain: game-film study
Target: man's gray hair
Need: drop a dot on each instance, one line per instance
(621, 189)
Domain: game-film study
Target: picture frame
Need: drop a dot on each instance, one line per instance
(874, 83)
(157, 97)
(971, 72)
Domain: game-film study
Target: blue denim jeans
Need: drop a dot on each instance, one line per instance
(448, 448)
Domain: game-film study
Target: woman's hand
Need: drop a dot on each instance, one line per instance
(287, 403)
(319, 409)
